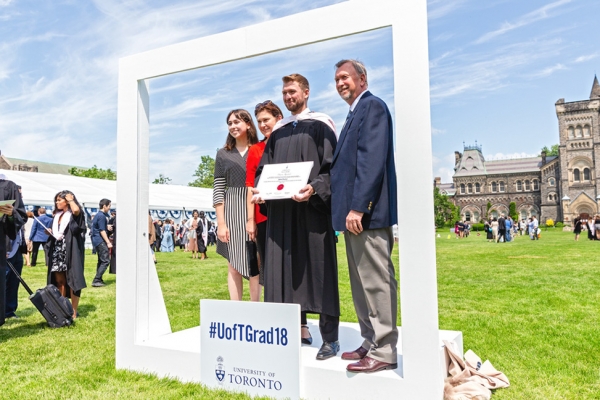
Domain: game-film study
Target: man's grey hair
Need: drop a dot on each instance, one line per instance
(359, 67)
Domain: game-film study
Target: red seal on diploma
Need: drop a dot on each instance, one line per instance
(280, 186)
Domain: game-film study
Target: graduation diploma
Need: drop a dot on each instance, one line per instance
(282, 181)
(4, 203)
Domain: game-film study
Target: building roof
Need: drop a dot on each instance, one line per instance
(447, 189)
(595, 94)
(472, 163)
(44, 167)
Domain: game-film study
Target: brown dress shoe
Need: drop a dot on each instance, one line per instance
(369, 364)
(357, 354)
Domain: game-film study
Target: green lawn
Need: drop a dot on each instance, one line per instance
(531, 308)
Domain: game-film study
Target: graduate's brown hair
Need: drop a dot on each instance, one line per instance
(302, 81)
(251, 132)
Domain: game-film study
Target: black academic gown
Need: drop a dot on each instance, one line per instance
(113, 252)
(75, 246)
(8, 230)
(300, 263)
(199, 231)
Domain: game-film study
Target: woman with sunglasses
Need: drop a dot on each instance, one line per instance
(66, 248)
(267, 114)
(229, 199)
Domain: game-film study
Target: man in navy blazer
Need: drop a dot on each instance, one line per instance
(364, 206)
(38, 235)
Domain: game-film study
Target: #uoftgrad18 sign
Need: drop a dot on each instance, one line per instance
(251, 347)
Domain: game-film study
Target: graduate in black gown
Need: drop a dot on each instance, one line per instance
(13, 218)
(300, 263)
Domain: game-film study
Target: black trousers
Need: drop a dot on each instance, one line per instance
(12, 285)
(34, 252)
(103, 261)
(502, 234)
(329, 326)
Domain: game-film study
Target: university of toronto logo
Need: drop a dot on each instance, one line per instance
(219, 371)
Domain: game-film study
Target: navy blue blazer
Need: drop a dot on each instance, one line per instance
(363, 173)
(38, 233)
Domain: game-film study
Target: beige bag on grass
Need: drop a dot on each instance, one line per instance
(470, 379)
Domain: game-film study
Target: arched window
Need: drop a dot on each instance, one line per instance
(551, 197)
(533, 213)
(551, 181)
(536, 185)
(578, 131)
(527, 186)
(519, 186)
(468, 216)
(586, 174)
(571, 132)
(576, 176)
(501, 185)
(462, 188)
(494, 187)
(477, 188)
(475, 216)
(494, 214)
(586, 131)
(523, 214)
(470, 188)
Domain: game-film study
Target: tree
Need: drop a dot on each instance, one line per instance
(94, 172)
(162, 180)
(553, 151)
(205, 173)
(443, 208)
(487, 209)
(512, 211)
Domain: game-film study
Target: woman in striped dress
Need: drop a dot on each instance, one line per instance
(229, 199)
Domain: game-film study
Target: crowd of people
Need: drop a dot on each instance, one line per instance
(504, 229)
(590, 224)
(287, 245)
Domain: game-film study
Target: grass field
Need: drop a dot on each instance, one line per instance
(531, 308)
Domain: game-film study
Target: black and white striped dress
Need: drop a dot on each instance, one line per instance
(230, 188)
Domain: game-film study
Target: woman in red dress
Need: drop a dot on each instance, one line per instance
(267, 114)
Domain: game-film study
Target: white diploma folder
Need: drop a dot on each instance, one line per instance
(282, 181)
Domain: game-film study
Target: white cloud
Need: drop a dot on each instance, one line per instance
(5, 3)
(585, 58)
(527, 19)
(440, 8)
(549, 71)
(435, 131)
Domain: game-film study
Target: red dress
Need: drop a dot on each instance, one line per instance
(254, 155)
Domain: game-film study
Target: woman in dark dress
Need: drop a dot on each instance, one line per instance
(577, 228)
(229, 199)
(65, 248)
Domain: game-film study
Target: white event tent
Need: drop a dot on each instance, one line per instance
(172, 201)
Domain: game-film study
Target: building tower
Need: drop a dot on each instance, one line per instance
(579, 130)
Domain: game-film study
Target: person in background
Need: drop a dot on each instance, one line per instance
(66, 248)
(501, 229)
(29, 243)
(536, 231)
(112, 235)
(508, 225)
(494, 226)
(167, 243)
(488, 230)
(38, 235)
(158, 229)
(204, 226)
(192, 227)
(597, 226)
(14, 256)
(267, 114)
(100, 241)
(591, 228)
(577, 228)
(182, 233)
(151, 235)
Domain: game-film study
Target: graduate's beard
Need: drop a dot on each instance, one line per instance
(295, 107)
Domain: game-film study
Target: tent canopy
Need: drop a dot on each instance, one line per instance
(39, 189)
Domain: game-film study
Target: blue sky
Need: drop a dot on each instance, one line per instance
(497, 67)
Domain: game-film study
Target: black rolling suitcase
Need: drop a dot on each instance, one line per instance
(57, 310)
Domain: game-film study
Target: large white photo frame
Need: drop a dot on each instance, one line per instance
(142, 324)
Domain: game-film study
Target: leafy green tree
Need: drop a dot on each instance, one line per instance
(553, 151)
(443, 209)
(512, 211)
(162, 180)
(94, 172)
(205, 173)
(487, 209)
